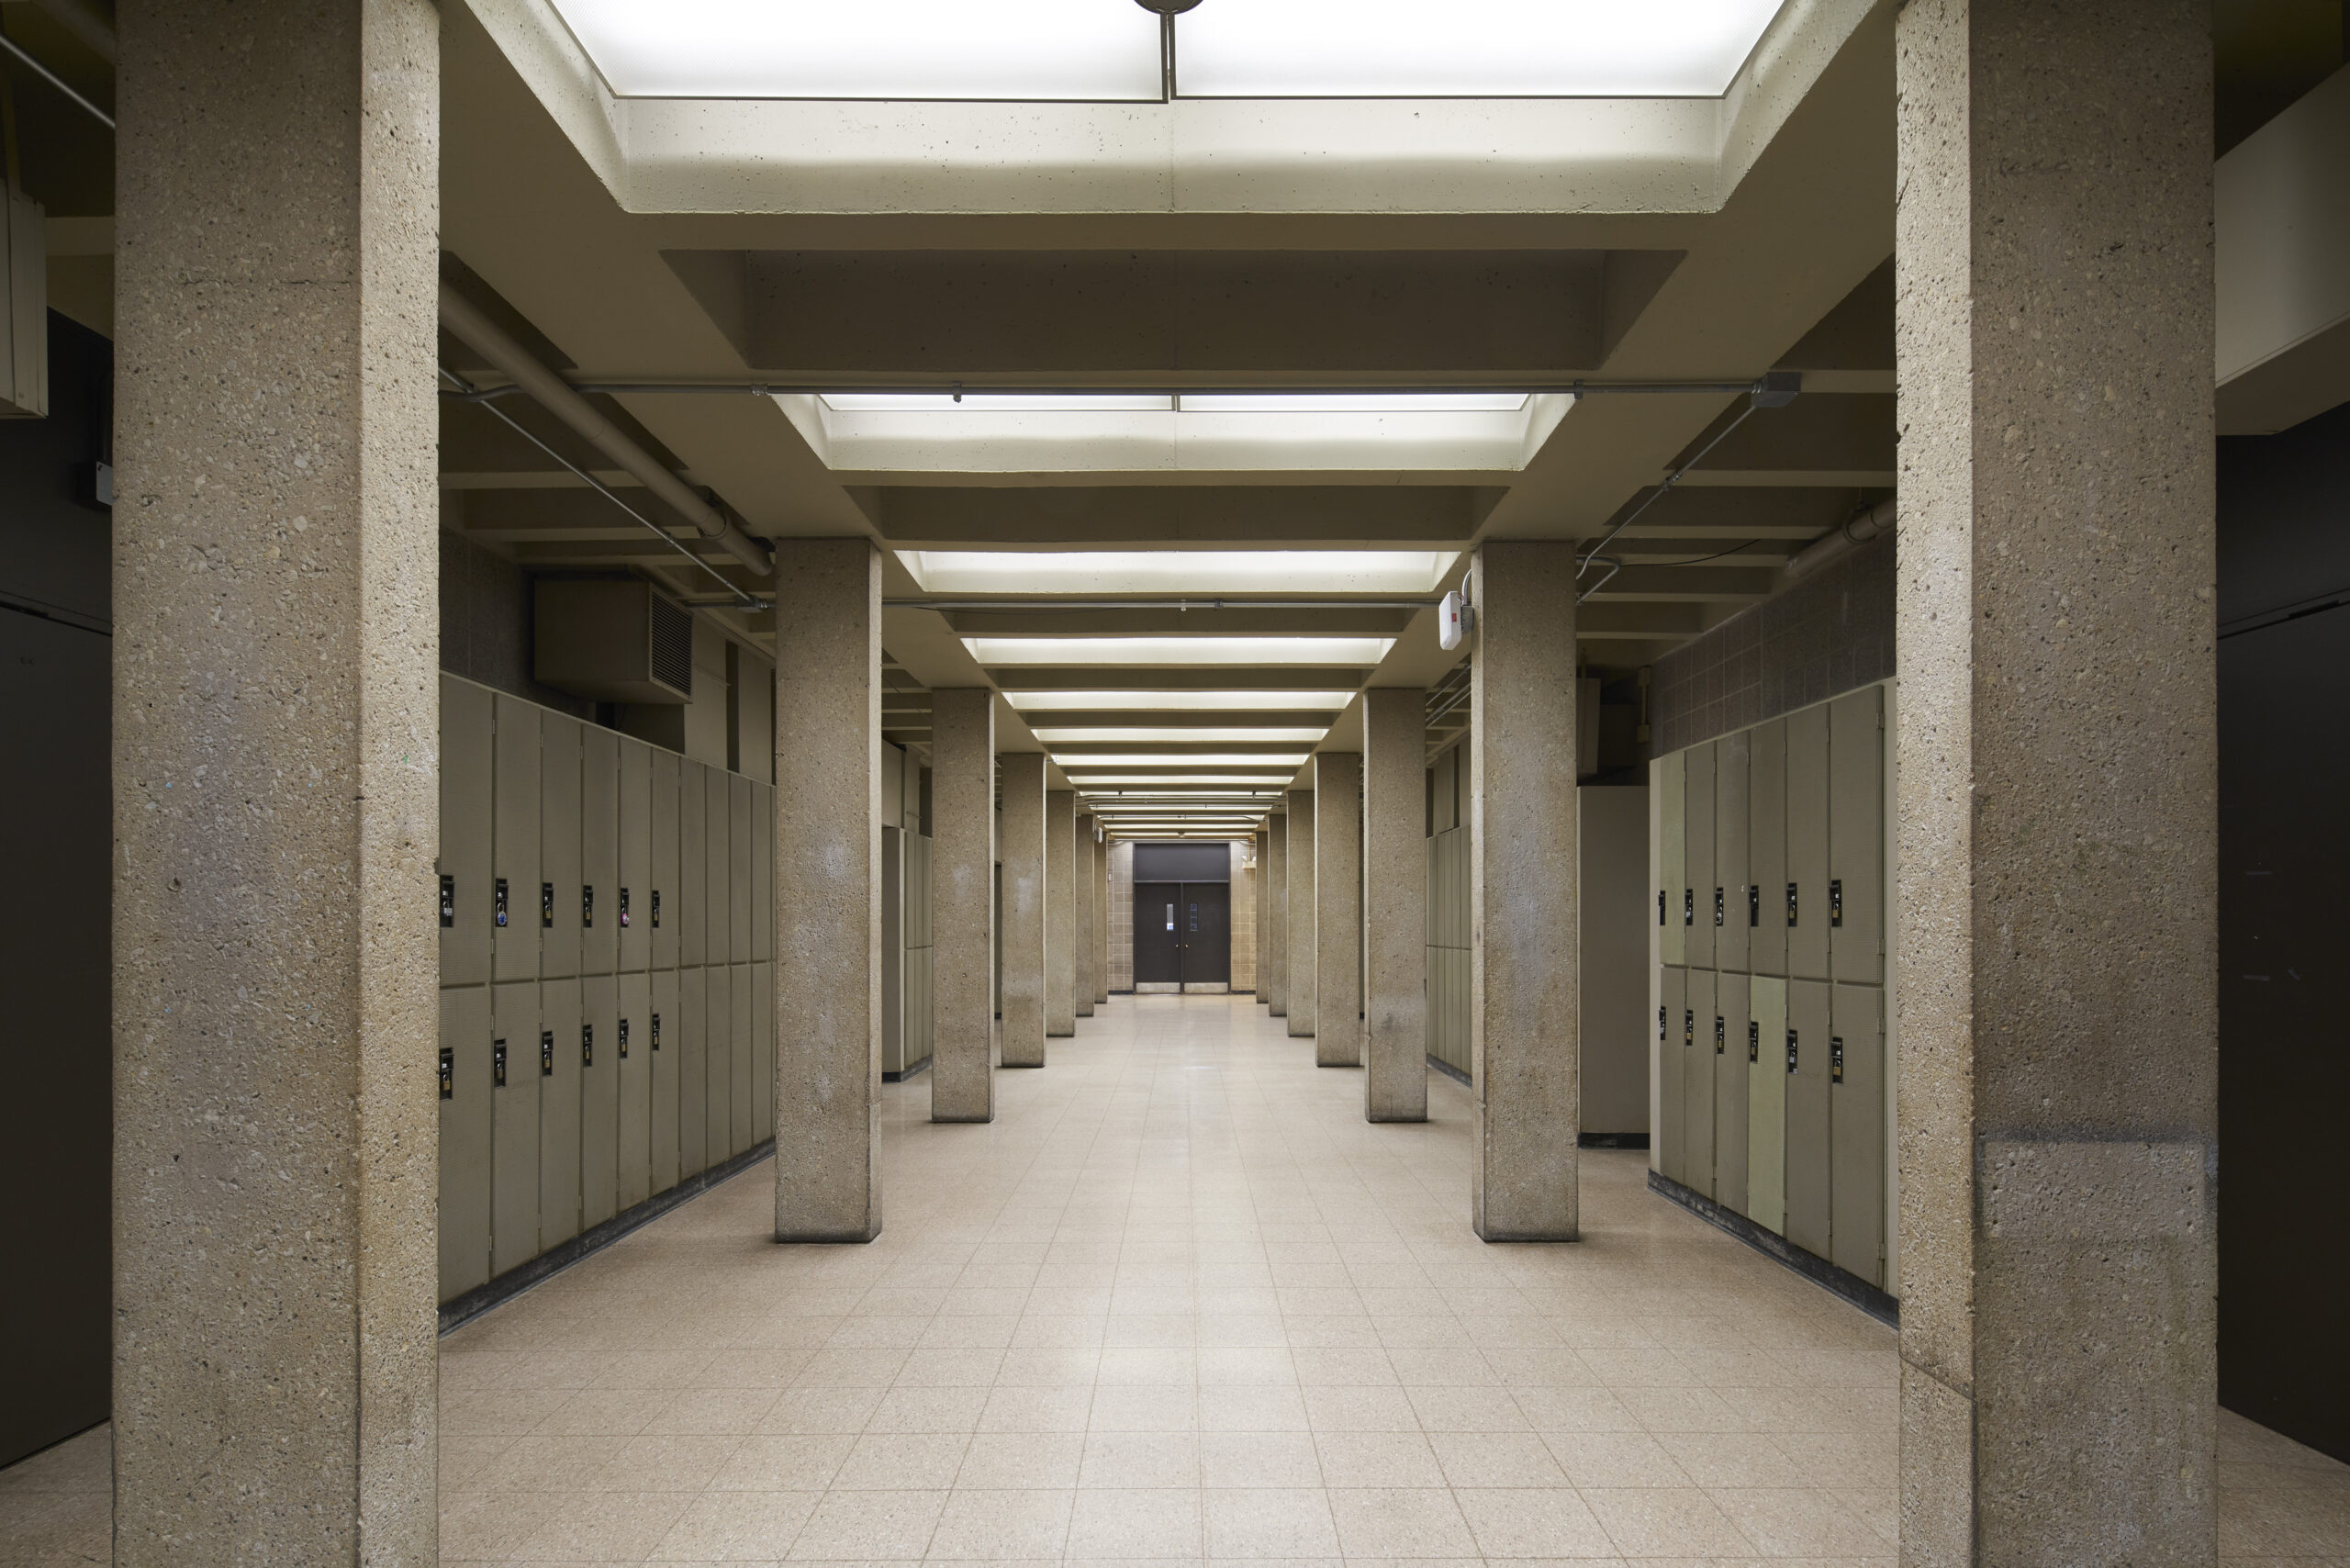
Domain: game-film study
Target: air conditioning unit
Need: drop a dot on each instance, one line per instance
(613, 641)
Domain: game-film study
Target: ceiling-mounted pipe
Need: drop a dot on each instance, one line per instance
(1882, 518)
(471, 326)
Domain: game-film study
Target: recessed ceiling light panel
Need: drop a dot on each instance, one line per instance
(1175, 736)
(1134, 652)
(1177, 701)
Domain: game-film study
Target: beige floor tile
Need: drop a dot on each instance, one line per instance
(1495, 1459)
(1135, 1461)
(1037, 1409)
(818, 1411)
(736, 1527)
(1377, 1459)
(999, 1460)
(1533, 1522)
(867, 1527)
(1147, 1407)
(899, 1462)
(663, 1464)
(1376, 1409)
(1259, 1460)
(1226, 1408)
(1268, 1522)
(603, 1527)
(1145, 1524)
(1001, 1525)
(1664, 1521)
(1796, 1522)
(1398, 1521)
(783, 1464)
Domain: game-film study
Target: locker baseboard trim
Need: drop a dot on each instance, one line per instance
(1612, 1140)
(1817, 1270)
(1452, 1071)
(903, 1073)
(460, 1310)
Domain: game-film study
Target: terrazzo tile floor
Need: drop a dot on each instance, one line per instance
(1179, 1304)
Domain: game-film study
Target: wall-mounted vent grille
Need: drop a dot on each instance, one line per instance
(614, 640)
(673, 644)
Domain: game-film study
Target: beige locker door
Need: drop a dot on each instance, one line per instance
(1697, 837)
(1673, 1023)
(1697, 1085)
(718, 873)
(1732, 1004)
(1766, 847)
(718, 1054)
(561, 1019)
(1766, 1103)
(693, 1072)
(559, 882)
(1738, 913)
(600, 851)
(693, 865)
(1856, 1117)
(1808, 1208)
(1856, 836)
(763, 1052)
(893, 951)
(739, 878)
(467, 1031)
(663, 907)
(600, 1099)
(468, 807)
(662, 1056)
(633, 1066)
(747, 1049)
(1807, 903)
(514, 1123)
(1673, 857)
(514, 846)
(632, 909)
(762, 873)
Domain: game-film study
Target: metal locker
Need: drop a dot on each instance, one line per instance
(1697, 1084)
(1766, 848)
(514, 843)
(745, 1057)
(693, 1073)
(1672, 1023)
(1766, 1103)
(662, 904)
(763, 1051)
(661, 1056)
(514, 1121)
(599, 893)
(1807, 1115)
(1856, 838)
(717, 1053)
(555, 1059)
(1856, 1119)
(468, 795)
(600, 1099)
(1698, 837)
(1739, 913)
(718, 878)
(1673, 859)
(633, 912)
(693, 869)
(1733, 1002)
(557, 899)
(1807, 892)
(762, 873)
(739, 874)
(463, 1077)
(633, 1070)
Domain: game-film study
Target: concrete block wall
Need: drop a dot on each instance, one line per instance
(1121, 917)
(1244, 916)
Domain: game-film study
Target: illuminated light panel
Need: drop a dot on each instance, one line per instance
(999, 403)
(1132, 652)
(1175, 735)
(1212, 759)
(1353, 402)
(1017, 49)
(1177, 702)
(1112, 781)
(1178, 571)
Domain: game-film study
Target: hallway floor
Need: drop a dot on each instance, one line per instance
(1179, 1304)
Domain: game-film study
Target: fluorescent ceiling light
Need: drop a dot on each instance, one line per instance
(1178, 571)
(1472, 49)
(1133, 783)
(1211, 759)
(875, 49)
(1130, 652)
(1000, 402)
(1352, 402)
(1177, 702)
(1176, 736)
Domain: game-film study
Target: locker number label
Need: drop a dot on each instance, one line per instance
(448, 1073)
(498, 907)
(546, 1053)
(448, 901)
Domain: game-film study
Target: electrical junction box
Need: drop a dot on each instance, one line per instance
(612, 640)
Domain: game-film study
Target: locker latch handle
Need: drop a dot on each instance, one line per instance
(498, 1064)
(1754, 903)
(656, 909)
(1754, 1041)
(448, 901)
(1835, 1058)
(656, 1023)
(1718, 906)
(1791, 1050)
(1659, 1016)
(623, 1039)
(587, 907)
(1660, 906)
(1721, 1037)
(587, 1045)
(546, 1053)
(498, 903)
(1836, 900)
(547, 906)
(1791, 905)
(623, 908)
(448, 1073)
(1688, 906)
(1688, 1026)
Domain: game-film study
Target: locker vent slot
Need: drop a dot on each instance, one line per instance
(673, 644)
(448, 1072)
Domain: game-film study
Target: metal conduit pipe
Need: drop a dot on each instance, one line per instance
(1882, 518)
(470, 326)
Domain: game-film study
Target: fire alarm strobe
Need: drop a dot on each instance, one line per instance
(1453, 619)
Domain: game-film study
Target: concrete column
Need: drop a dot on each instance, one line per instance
(275, 744)
(828, 890)
(1302, 975)
(1338, 909)
(1025, 988)
(1525, 985)
(1088, 912)
(1101, 922)
(2055, 940)
(1396, 905)
(962, 893)
(1264, 921)
(1276, 910)
(1060, 912)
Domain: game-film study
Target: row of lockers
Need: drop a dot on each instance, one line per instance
(1771, 1101)
(564, 1101)
(570, 849)
(1770, 847)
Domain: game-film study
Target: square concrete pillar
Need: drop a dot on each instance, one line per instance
(1396, 905)
(1338, 909)
(1524, 975)
(1060, 912)
(2056, 936)
(827, 891)
(1276, 907)
(1101, 921)
(1025, 987)
(1303, 975)
(275, 798)
(962, 893)
(1088, 912)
